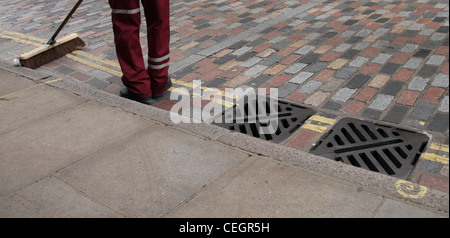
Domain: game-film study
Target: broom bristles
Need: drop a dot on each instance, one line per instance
(51, 53)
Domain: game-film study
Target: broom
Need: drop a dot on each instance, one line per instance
(54, 49)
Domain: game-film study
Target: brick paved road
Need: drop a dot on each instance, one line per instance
(382, 60)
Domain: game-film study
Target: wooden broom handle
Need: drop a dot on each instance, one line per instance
(53, 39)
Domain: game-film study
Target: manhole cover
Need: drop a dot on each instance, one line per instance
(252, 116)
(379, 148)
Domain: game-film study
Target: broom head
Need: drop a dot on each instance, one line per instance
(47, 53)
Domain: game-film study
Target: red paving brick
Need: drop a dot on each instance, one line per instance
(403, 75)
(440, 184)
(303, 139)
(408, 98)
(433, 95)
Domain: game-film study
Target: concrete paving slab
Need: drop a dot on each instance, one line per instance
(50, 198)
(10, 83)
(150, 174)
(31, 152)
(262, 188)
(31, 103)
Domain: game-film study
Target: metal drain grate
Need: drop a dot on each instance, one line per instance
(289, 116)
(379, 148)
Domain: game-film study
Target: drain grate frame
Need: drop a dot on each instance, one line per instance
(379, 148)
(290, 118)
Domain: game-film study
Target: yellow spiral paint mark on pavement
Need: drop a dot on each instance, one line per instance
(410, 190)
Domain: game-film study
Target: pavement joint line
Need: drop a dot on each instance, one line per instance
(4, 97)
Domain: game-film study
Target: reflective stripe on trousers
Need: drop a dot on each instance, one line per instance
(126, 18)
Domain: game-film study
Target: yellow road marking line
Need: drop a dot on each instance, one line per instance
(23, 36)
(436, 158)
(323, 119)
(316, 128)
(21, 40)
(437, 146)
(96, 58)
(95, 66)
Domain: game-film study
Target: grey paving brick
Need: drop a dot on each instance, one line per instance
(436, 60)
(258, 81)
(427, 71)
(115, 80)
(310, 58)
(246, 56)
(305, 49)
(422, 53)
(347, 34)
(310, 87)
(391, 49)
(65, 70)
(438, 36)
(364, 33)
(255, 70)
(381, 44)
(295, 68)
(382, 58)
(350, 54)
(396, 114)
(316, 67)
(431, 45)
(390, 68)
(99, 74)
(372, 114)
(358, 81)
(426, 32)
(249, 63)
(276, 39)
(332, 106)
(439, 122)
(423, 110)
(416, 27)
(444, 105)
(381, 102)
(286, 89)
(301, 77)
(241, 50)
(346, 72)
(430, 166)
(312, 36)
(441, 80)
(224, 59)
(381, 31)
(271, 60)
(359, 61)
(418, 83)
(342, 47)
(413, 63)
(361, 45)
(343, 94)
(392, 88)
(97, 83)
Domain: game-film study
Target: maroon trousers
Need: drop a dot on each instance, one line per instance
(126, 19)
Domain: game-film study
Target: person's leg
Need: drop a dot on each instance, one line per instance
(157, 14)
(126, 20)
